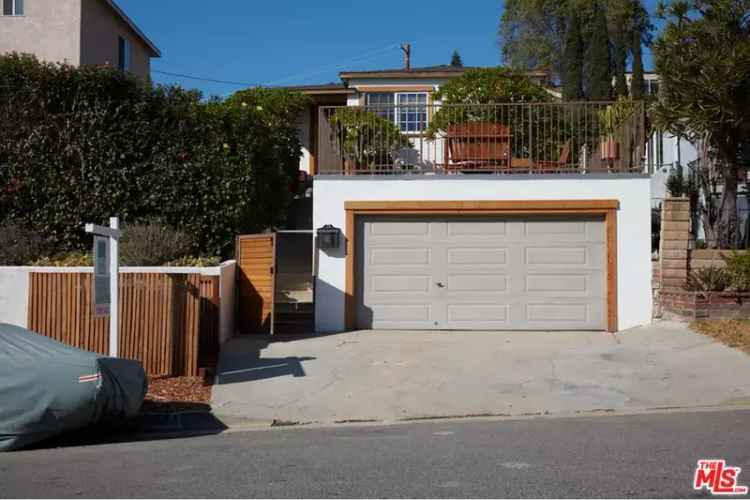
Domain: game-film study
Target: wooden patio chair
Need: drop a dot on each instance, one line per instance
(562, 164)
(477, 147)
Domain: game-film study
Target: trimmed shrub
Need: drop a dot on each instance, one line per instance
(72, 259)
(738, 268)
(153, 244)
(195, 262)
(19, 244)
(82, 144)
(708, 279)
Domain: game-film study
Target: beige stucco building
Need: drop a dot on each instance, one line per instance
(76, 32)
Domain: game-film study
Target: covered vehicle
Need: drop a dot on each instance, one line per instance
(47, 387)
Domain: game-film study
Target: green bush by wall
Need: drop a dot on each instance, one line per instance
(81, 144)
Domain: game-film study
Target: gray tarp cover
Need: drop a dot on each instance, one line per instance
(47, 387)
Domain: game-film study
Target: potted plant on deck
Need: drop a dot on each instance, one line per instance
(611, 118)
(365, 141)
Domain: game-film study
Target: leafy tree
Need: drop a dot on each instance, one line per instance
(456, 60)
(703, 59)
(599, 78)
(478, 87)
(365, 138)
(532, 33)
(573, 61)
(490, 86)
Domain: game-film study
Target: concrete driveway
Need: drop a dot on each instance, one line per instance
(390, 376)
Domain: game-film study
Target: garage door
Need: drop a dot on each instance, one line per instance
(488, 273)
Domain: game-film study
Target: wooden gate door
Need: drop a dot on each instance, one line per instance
(256, 260)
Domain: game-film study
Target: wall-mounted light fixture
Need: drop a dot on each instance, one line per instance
(329, 237)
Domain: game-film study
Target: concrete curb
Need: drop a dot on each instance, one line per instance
(241, 425)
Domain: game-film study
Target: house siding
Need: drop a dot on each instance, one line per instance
(49, 29)
(100, 29)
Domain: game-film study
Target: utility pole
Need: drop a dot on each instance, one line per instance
(406, 48)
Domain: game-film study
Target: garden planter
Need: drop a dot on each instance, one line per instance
(610, 150)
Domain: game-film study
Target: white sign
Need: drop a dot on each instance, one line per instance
(102, 299)
(106, 274)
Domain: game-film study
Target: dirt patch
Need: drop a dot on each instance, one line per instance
(178, 394)
(733, 333)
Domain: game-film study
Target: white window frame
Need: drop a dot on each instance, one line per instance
(416, 106)
(396, 108)
(14, 8)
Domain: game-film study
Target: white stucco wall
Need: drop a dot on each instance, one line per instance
(14, 296)
(633, 226)
(227, 286)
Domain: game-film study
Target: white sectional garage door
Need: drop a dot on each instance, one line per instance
(481, 273)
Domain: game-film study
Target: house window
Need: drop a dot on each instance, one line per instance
(412, 111)
(124, 53)
(381, 103)
(12, 7)
(408, 110)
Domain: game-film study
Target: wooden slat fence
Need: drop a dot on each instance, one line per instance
(208, 341)
(161, 321)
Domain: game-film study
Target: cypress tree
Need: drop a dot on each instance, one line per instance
(456, 60)
(573, 61)
(620, 53)
(637, 84)
(599, 77)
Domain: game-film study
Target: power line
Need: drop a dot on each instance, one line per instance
(205, 79)
(361, 57)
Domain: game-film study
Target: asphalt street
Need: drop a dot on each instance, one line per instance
(651, 455)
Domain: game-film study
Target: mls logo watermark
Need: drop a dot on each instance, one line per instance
(718, 478)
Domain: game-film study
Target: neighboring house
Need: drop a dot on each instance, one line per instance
(388, 89)
(76, 32)
(514, 223)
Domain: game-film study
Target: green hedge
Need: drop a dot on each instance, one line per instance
(80, 144)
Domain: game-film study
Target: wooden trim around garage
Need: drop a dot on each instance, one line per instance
(606, 208)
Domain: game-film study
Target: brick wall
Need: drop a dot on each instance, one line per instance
(675, 238)
(676, 261)
(676, 304)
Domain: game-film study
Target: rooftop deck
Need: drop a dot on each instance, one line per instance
(516, 138)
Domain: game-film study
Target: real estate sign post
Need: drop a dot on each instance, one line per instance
(106, 274)
(102, 277)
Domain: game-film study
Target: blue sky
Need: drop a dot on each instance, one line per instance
(285, 42)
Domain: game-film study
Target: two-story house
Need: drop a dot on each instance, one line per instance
(76, 32)
(508, 216)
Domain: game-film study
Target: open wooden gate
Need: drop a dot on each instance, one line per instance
(256, 262)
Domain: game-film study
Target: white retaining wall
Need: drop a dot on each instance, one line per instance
(228, 300)
(633, 225)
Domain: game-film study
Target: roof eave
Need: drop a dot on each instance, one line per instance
(155, 52)
(400, 74)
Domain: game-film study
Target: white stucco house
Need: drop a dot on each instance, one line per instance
(509, 217)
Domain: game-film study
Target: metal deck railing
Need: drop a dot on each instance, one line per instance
(510, 138)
